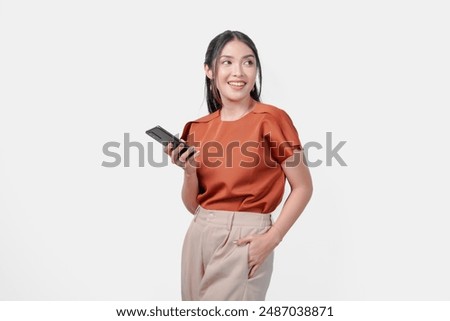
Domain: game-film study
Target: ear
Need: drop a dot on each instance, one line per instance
(208, 72)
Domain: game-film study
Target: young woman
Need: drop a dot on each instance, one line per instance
(245, 150)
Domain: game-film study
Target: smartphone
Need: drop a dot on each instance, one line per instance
(164, 137)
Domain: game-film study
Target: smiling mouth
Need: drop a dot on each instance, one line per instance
(237, 84)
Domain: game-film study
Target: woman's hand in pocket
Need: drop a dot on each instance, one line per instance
(259, 248)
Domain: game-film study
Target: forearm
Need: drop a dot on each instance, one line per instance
(189, 191)
(292, 209)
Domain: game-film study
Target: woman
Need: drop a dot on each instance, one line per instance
(245, 150)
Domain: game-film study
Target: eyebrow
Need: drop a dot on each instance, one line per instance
(247, 56)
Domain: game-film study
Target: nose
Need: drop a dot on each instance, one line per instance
(237, 70)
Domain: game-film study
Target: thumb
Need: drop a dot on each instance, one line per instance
(244, 240)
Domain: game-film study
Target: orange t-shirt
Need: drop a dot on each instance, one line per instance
(240, 160)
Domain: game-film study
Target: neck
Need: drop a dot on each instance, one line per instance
(232, 110)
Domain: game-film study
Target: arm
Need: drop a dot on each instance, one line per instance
(189, 190)
(299, 178)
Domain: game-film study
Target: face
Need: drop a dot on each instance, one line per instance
(235, 72)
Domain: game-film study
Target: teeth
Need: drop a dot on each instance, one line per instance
(237, 83)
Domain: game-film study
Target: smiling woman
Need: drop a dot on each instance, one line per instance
(229, 247)
(231, 59)
(234, 76)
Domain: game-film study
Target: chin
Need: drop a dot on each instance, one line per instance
(240, 96)
(236, 99)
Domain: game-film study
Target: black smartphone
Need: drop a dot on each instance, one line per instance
(164, 137)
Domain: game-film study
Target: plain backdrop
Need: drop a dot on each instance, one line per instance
(75, 75)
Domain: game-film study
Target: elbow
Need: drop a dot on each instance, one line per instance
(190, 206)
(191, 209)
(309, 190)
(306, 191)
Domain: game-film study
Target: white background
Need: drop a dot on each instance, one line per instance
(75, 75)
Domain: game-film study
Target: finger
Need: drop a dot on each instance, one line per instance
(244, 240)
(176, 153)
(168, 148)
(178, 148)
(185, 155)
(253, 270)
(253, 259)
(191, 160)
(173, 155)
(171, 151)
(195, 155)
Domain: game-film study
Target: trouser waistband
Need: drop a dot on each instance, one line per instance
(232, 218)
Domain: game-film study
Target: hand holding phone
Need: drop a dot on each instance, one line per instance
(164, 137)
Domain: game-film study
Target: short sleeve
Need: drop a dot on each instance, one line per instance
(187, 135)
(281, 136)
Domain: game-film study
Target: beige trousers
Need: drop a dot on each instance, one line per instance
(213, 267)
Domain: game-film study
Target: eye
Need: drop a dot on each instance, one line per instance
(248, 62)
(226, 62)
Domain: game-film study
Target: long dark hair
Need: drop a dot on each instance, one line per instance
(215, 47)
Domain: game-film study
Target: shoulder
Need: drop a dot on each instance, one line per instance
(207, 118)
(196, 124)
(271, 112)
(276, 122)
(202, 120)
